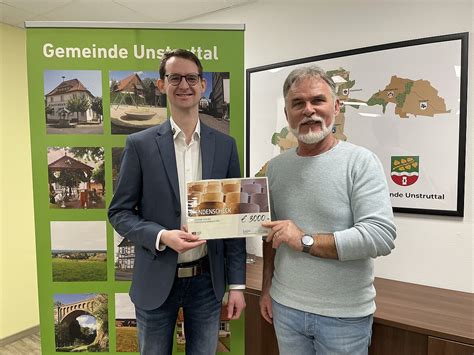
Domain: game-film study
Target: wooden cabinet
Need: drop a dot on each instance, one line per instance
(410, 319)
(387, 340)
(259, 335)
(437, 346)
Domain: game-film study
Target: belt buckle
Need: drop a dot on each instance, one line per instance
(186, 272)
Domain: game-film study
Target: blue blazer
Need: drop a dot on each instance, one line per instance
(146, 200)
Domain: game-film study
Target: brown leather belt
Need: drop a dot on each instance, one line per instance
(192, 268)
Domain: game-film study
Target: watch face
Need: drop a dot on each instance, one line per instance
(307, 240)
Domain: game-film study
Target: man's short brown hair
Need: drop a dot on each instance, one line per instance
(180, 53)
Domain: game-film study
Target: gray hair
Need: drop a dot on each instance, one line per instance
(310, 71)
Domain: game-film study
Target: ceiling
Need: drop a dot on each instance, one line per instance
(16, 12)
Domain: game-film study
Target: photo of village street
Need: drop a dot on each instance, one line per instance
(73, 101)
(214, 106)
(124, 258)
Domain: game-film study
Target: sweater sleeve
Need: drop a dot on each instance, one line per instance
(373, 233)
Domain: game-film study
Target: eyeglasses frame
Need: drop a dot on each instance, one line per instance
(185, 78)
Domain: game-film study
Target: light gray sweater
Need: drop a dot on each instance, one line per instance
(342, 191)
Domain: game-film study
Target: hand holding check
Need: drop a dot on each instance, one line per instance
(285, 231)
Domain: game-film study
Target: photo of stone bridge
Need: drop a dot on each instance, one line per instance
(81, 322)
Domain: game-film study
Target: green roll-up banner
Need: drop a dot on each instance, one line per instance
(91, 84)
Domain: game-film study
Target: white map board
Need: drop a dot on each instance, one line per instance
(405, 101)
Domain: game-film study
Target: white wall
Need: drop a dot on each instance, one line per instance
(434, 251)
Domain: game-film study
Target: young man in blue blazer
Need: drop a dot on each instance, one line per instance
(173, 268)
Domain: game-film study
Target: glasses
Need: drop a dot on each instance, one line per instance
(175, 79)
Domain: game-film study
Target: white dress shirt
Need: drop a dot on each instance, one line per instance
(189, 168)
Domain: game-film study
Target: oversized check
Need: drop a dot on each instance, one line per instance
(228, 208)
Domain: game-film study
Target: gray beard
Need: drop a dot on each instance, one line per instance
(312, 137)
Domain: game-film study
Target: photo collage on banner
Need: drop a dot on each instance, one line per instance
(88, 89)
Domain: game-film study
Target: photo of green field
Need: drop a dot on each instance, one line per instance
(127, 339)
(78, 251)
(125, 324)
(92, 269)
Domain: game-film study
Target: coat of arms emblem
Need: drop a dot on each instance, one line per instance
(405, 170)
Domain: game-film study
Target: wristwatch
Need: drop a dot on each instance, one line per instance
(307, 242)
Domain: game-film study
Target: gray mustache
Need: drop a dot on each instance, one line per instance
(311, 119)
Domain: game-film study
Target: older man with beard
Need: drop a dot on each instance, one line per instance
(331, 216)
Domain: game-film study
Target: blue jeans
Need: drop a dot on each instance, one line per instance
(306, 333)
(201, 319)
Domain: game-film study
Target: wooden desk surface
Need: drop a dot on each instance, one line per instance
(427, 310)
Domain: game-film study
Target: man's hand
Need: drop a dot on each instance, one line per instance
(236, 304)
(284, 232)
(265, 303)
(180, 240)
